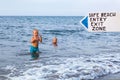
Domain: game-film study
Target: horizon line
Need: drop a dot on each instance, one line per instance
(42, 15)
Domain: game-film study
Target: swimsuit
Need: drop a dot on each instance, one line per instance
(34, 51)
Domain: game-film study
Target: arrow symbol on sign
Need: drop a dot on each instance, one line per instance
(84, 22)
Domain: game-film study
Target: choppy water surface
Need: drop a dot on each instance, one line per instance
(79, 55)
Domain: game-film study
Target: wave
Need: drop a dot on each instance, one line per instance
(61, 32)
(69, 69)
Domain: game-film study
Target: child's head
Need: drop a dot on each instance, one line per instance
(35, 32)
(54, 41)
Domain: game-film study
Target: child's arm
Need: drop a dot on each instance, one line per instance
(40, 38)
(33, 40)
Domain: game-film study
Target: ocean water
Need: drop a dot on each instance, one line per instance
(79, 54)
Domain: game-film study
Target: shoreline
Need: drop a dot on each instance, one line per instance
(115, 76)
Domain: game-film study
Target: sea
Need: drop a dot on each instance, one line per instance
(79, 55)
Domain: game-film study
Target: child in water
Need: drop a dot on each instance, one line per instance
(35, 42)
(54, 41)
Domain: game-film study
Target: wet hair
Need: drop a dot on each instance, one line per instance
(35, 30)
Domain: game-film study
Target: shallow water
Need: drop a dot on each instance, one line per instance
(79, 54)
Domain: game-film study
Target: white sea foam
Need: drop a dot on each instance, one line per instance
(70, 69)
